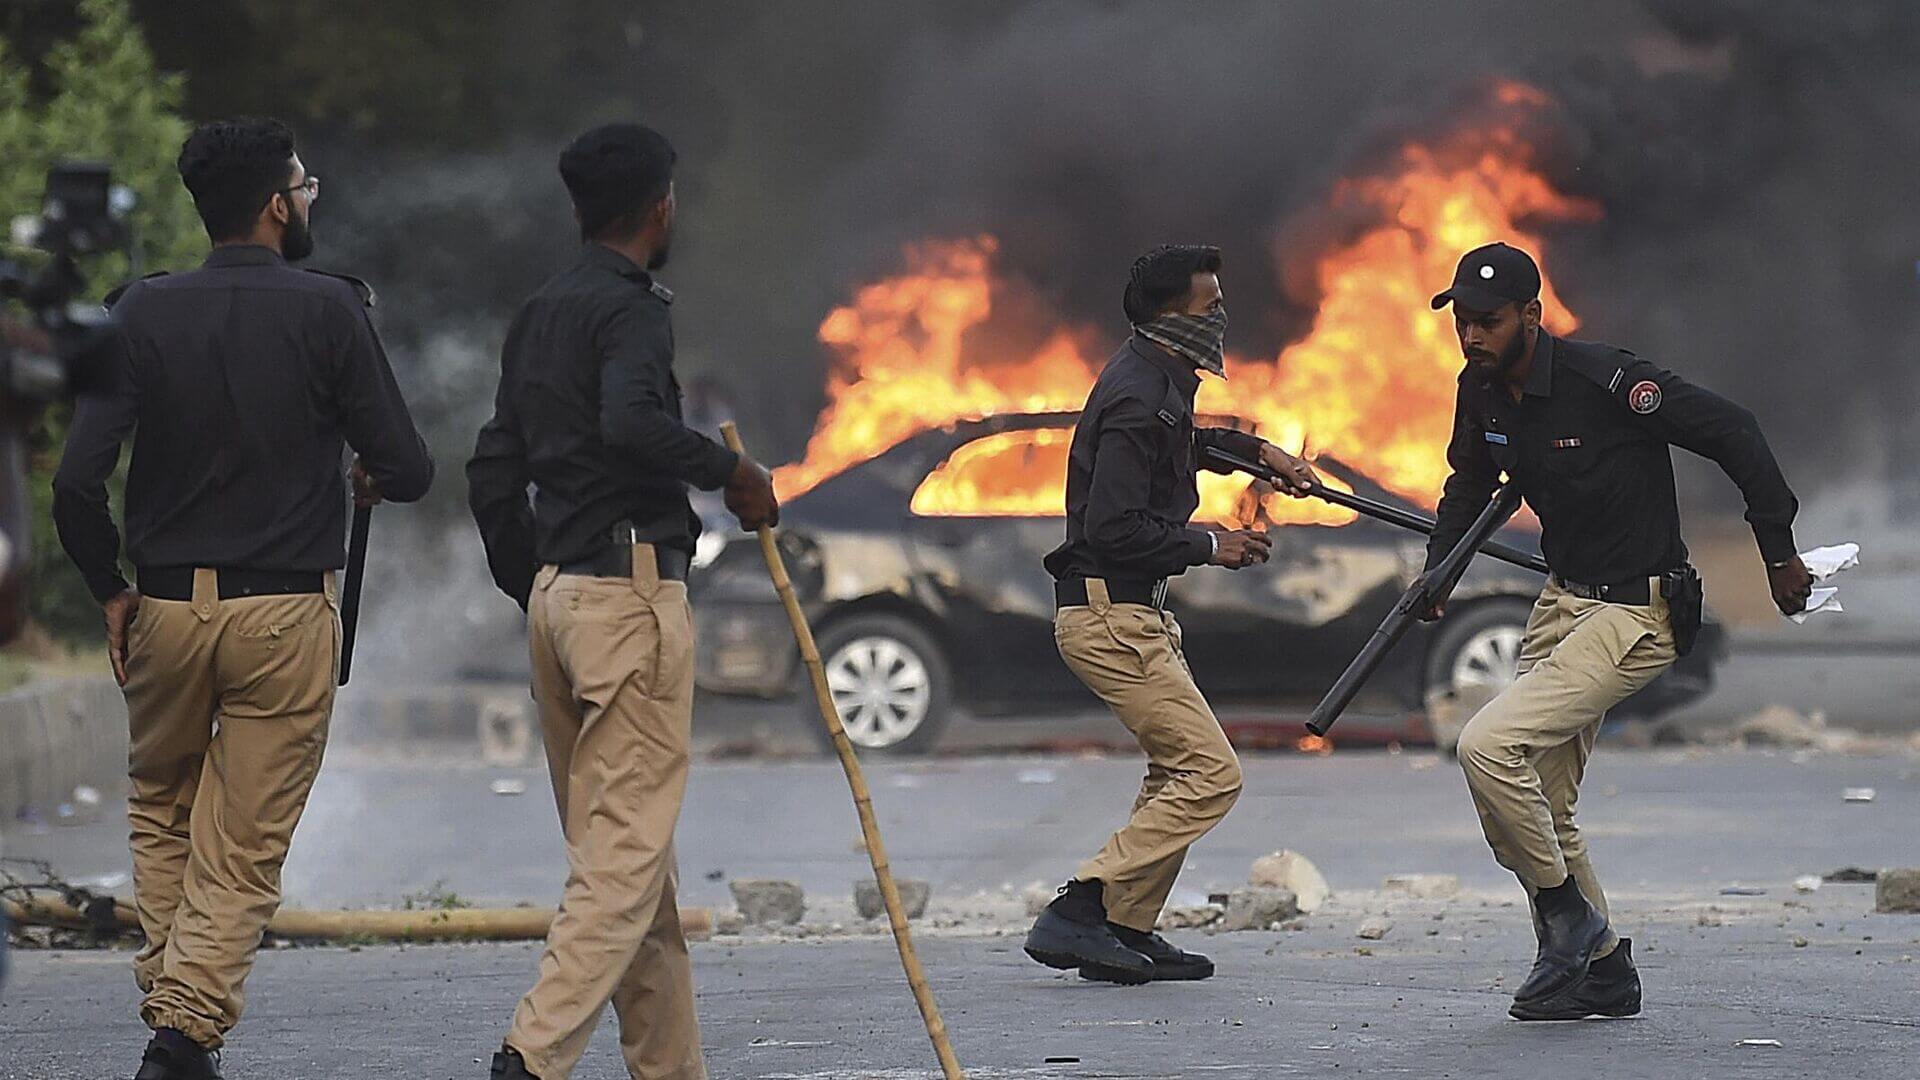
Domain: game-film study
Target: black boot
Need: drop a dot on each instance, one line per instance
(1611, 988)
(509, 1065)
(1170, 962)
(1570, 929)
(1073, 932)
(172, 1056)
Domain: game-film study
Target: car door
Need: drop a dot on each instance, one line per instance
(980, 523)
(1282, 632)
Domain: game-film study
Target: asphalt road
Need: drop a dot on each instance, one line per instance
(1671, 830)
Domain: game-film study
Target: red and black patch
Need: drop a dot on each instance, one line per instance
(1644, 397)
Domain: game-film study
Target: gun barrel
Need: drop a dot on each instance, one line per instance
(1430, 587)
(1380, 511)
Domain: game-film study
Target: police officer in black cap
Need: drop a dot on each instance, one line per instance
(1584, 429)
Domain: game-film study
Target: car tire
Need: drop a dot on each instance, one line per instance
(1470, 660)
(891, 683)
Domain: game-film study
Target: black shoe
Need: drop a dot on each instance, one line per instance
(1170, 962)
(172, 1056)
(1073, 932)
(1570, 930)
(509, 1065)
(1611, 988)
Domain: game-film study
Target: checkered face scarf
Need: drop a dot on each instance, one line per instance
(1202, 339)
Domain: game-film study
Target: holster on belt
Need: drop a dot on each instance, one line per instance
(1686, 599)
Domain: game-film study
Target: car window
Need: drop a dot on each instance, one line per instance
(1006, 474)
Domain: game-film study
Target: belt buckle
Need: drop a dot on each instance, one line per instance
(1160, 593)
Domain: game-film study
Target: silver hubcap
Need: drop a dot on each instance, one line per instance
(881, 688)
(1488, 659)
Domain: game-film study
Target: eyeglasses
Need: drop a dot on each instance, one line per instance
(311, 185)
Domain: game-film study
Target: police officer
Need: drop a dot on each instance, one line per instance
(588, 413)
(240, 383)
(1130, 493)
(1584, 430)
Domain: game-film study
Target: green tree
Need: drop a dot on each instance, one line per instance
(106, 101)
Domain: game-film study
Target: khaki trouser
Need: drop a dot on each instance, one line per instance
(1526, 751)
(613, 679)
(1129, 655)
(227, 705)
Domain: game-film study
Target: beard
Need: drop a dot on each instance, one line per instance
(297, 242)
(1487, 366)
(659, 257)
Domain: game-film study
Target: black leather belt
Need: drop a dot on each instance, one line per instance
(617, 562)
(1636, 591)
(1073, 592)
(176, 582)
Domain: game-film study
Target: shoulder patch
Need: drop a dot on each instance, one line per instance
(1644, 397)
(665, 294)
(1172, 407)
(360, 287)
(120, 290)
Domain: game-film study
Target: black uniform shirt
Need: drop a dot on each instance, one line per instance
(1130, 472)
(240, 382)
(588, 412)
(1587, 443)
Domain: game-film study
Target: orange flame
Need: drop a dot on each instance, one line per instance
(1371, 383)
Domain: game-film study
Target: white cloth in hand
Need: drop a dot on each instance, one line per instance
(1823, 563)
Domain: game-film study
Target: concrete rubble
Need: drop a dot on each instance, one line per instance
(1897, 890)
(769, 903)
(1423, 886)
(1293, 872)
(1259, 909)
(1374, 929)
(871, 905)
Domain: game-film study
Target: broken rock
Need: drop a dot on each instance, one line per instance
(1190, 918)
(1374, 929)
(913, 897)
(769, 903)
(1259, 909)
(1898, 890)
(1293, 872)
(1423, 886)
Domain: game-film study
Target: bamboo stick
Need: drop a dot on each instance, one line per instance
(862, 798)
(432, 924)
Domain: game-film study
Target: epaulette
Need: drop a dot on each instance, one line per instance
(665, 294)
(365, 290)
(1172, 406)
(120, 290)
(1604, 365)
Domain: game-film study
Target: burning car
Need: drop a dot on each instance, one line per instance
(920, 572)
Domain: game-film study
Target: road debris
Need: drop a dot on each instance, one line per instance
(1293, 872)
(1859, 794)
(1851, 875)
(1898, 890)
(1374, 929)
(1037, 776)
(1198, 917)
(1766, 1043)
(1807, 883)
(1259, 909)
(1423, 886)
(871, 905)
(1742, 890)
(769, 903)
(507, 785)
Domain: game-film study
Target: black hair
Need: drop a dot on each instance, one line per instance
(616, 174)
(232, 167)
(1163, 277)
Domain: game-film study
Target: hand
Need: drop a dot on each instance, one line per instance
(750, 497)
(1236, 548)
(1296, 477)
(365, 491)
(120, 611)
(1791, 583)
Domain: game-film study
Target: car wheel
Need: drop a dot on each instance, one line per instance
(890, 683)
(1472, 659)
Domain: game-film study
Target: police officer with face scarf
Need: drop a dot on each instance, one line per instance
(1130, 492)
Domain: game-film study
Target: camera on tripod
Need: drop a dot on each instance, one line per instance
(83, 213)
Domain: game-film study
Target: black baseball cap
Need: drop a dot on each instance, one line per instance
(1490, 278)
